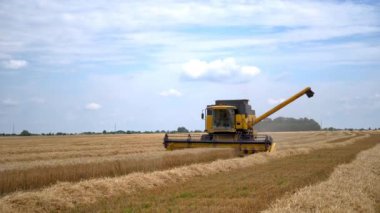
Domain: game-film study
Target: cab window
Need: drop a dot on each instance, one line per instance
(223, 119)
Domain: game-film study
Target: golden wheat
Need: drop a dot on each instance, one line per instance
(351, 188)
(67, 195)
(15, 159)
(43, 144)
(250, 189)
(12, 180)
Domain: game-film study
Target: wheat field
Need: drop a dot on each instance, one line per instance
(29, 163)
(60, 173)
(350, 188)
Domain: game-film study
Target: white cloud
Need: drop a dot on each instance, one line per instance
(83, 33)
(171, 92)
(161, 35)
(15, 64)
(9, 102)
(222, 70)
(93, 106)
(273, 101)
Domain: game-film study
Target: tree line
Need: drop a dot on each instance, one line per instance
(104, 132)
(267, 125)
(283, 124)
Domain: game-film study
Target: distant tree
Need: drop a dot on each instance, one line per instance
(182, 129)
(288, 124)
(104, 132)
(88, 133)
(25, 133)
(60, 133)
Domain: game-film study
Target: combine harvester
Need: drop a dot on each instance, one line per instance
(229, 123)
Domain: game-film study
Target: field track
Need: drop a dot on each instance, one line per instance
(54, 154)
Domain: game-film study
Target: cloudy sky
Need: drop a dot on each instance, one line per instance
(78, 66)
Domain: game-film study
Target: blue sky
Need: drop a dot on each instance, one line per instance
(73, 66)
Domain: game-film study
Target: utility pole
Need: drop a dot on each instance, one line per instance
(13, 128)
(115, 127)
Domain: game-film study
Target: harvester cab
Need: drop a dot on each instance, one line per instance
(229, 116)
(229, 123)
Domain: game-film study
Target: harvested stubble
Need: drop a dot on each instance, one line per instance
(13, 180)
(118, 148)
(28, 152)
(66, 195)
(24, 175)
(304, 140)
(68, 154)
(55, 147)
(352, 187)
(250, 189)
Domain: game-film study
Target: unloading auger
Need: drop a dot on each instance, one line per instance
(229, 123)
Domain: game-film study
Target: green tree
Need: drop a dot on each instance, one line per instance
(182, 129)
(25, 133)
(287, 124)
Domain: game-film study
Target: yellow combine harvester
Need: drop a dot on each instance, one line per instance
(229, 123)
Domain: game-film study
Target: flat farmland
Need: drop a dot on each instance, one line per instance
(33, 162)
(135, 173)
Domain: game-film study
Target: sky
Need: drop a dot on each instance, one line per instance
(74, 66)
